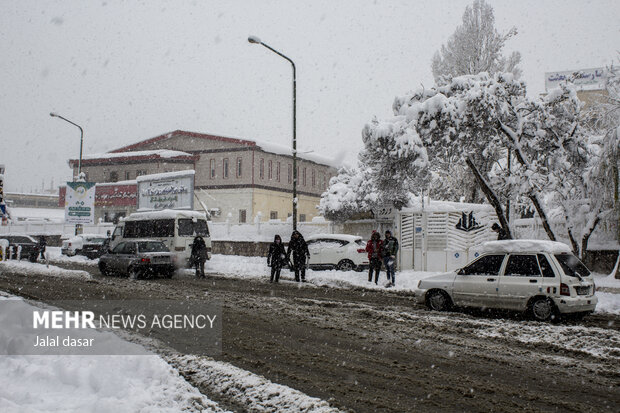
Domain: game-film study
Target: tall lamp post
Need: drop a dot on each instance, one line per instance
(78, 227)
(256, 40)
(55, 115)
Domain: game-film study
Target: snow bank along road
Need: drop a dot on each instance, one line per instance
(374, 350)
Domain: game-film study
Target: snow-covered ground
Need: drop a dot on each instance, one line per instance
(52, 383)
(234, 266)
(256, 267)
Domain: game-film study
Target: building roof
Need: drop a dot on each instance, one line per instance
(116, 156)
(264, 146)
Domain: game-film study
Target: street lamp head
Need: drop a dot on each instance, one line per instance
(52, 114)
(254, 39)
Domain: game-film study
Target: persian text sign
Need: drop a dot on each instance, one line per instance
(583, 77)
(80, 203)
(175, 192)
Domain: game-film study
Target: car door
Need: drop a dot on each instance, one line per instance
(522, 279)
(119, 257)
(313, 247)
(339, 250)
(475, 285)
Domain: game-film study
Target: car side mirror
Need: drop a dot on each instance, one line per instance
(460, 271)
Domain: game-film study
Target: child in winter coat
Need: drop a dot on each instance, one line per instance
(276, 258)
(374, 248)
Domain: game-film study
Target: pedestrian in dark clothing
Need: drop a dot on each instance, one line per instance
(501, 232)
(199, 256)
(298, 247)
(42, 246)
(390, 249)
(374, 248)
(276, 258)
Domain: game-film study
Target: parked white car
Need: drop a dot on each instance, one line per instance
(341, 251)
(542, 278)
(74, 245)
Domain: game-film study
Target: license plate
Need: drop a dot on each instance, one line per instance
(160, 260)
(582, 290)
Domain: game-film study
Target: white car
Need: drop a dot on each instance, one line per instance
(542, 278)
(341, 251)
(74, 245)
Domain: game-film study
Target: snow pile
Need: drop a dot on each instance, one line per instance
(34, 384)
(526, 245)
(34, 268)
(256, 268)
(247, 388)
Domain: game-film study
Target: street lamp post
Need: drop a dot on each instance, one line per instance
(78, 227)
(55, 115)
(256, 40)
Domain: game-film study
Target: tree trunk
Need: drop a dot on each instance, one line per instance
(543, 216)
(490, 197)
(532, 195)
(586, 237)
(573, 242)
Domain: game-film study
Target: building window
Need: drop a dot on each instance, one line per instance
(273, 215)
(140, 172)
(302, 217)
(270, 170)
(212, 167)
(313, 178)
(324, 182)
(225, 168)
(242, 216)
(290, 173)
(239, 165)
(113, 176)
(261, 168)
(127, 175)
(304, 177)
(278, 172)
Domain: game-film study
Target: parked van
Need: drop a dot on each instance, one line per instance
(176, 228)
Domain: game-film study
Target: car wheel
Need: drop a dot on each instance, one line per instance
(103, 269)
(438, 300)
(345, 265)
(542, 309)
(169, 274)
(135, 273)
(33, 257)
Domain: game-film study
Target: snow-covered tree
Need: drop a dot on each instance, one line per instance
(475, 47)
(349, 193)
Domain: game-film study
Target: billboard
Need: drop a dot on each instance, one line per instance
(80, 203)
(171, 190)
(592, 78)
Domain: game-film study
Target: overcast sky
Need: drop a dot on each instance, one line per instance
(130, 70)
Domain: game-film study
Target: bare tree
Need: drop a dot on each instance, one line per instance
(475, 47)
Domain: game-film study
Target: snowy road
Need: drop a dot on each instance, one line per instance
(374, 350)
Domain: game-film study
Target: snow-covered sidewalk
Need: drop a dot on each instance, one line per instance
(406, 281)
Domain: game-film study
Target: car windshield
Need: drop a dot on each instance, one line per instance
(572, 266)
(152, 246)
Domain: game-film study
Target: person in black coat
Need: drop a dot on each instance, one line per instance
(276, 258)
(501, 233)
(298, 247)
(199, 256)
(42, 246)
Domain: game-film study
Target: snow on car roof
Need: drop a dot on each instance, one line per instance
(344, 237)
(165, 214)
(525, 245)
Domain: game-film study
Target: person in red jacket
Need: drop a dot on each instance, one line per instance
(374, 248)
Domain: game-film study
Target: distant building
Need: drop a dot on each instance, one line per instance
(25, 200)
(235, 178)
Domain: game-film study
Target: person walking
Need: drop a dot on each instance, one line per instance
(374, 248)
(501, 233)
(276, 258)
(390, 249)
(42, 246)
(199, 256)
(299, 249)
